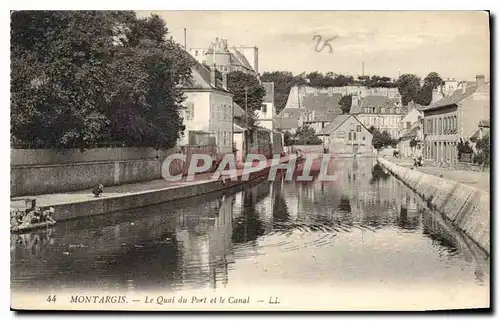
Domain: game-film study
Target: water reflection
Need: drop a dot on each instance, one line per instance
(204, 241)
(378, 174)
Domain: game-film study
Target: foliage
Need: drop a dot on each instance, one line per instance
(376, 81)
(288, 138)
(484, 149)
(379, 174)
(345, 103)
(283, 82)
(381, 139)
(306, 135)
(433, 80)
(250, 98)
(408, 87)
(83, 77)
(318, 80)
(424, 95)
(463, 147)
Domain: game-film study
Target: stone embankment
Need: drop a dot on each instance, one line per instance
(468, 208)
(82, 203)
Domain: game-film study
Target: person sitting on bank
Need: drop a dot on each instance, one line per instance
(98, 190)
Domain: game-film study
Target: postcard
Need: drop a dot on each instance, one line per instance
(250, 160)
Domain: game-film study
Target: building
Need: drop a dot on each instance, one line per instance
(381, 112)
(454, 118)
(288, 119)
(228, 59)
(347, 135)
(267, 112)
(413, 114)
(319, 109)
(264, 140)
(207, 98)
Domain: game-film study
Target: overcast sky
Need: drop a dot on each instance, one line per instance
(455, 44)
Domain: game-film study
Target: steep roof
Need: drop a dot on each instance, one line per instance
(377, 101)
(325, 106)
(335, 124)
(484, 123)
(292, 121)
(201, 77)
(321, 101)
(237, 110)
(453, 99)
(412, 133)
(237, 58)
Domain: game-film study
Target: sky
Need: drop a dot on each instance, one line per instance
(453, 43)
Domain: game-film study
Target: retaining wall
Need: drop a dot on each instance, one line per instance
(70, 175)
(103, 205)
(466, 207)
(68, 156)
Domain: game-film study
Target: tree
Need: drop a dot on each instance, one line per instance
(408, 86)
(484, 148)
(283, 82)
(345, 103)
(288, 138)
(424, 95)
(381, 139)
(251, 98)
(84, 77)
(306, 135)
(463, 147)
(433, 79)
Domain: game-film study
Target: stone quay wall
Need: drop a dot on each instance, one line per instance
(468, 208)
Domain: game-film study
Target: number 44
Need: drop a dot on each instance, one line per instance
(51, 298)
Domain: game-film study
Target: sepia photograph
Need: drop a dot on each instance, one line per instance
(181, 160)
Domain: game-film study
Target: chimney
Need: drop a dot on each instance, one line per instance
(355, 101)
(224, 80)
(212, 75)
(480, 80)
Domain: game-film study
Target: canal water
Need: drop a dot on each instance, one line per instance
(366, 229)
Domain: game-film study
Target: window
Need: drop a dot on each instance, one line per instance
(196, 52)
(224, 138)
(408, 125)
(212, 112)
(358, 128)
(354, 136)
(440, 128)
(363, 137)
(285, 115)
(350, 136)
(382, 110)
(264, 108)
(189, 111)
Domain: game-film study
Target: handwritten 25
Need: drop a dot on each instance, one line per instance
(323, 44)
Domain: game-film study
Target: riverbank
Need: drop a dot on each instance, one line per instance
(128, 196)
(480, 180)
(467, 207)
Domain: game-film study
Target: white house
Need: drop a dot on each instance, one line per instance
(347, 135)
(208, 114)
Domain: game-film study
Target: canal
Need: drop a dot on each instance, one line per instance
(366, 229)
